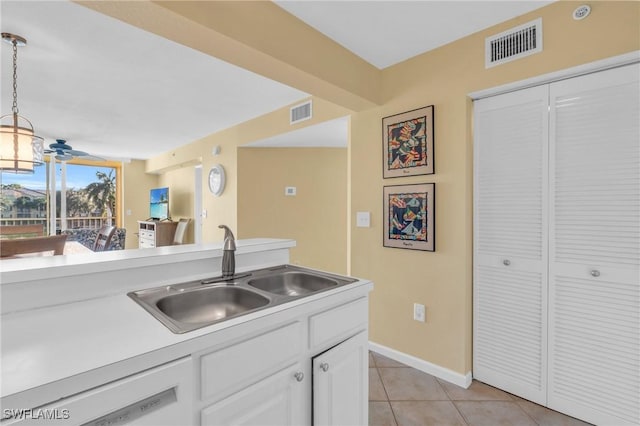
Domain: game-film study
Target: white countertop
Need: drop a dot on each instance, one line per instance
(46, 267)
(54, 345)
(32, 283)
(46, 345)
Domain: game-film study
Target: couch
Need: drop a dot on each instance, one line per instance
(87, 237)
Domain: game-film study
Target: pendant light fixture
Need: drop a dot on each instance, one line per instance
(20, 148)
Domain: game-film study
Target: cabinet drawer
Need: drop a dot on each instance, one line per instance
(147, 234)
(331, 326)
(235, 367)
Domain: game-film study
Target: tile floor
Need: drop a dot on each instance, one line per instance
(400, 396)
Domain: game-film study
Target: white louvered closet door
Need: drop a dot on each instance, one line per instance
(510, 239)
(594, 288)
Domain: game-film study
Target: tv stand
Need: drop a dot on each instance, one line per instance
(154, 233)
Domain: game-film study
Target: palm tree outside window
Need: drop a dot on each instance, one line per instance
(103, 194)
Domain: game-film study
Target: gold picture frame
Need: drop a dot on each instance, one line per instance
(408, 143)
(409, 216)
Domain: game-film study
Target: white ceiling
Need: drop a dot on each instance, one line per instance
(116, 91)
(384, 33)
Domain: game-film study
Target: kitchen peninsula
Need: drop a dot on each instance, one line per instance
(78, 349)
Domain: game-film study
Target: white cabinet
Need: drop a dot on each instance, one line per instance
(266, 377)
(155, 233)
(257, 381)
(156, 397)
(277, 400)
(341, 384)
(557, 245)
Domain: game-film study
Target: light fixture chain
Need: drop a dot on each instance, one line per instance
(15, 77)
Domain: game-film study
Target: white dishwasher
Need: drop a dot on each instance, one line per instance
(159, 396)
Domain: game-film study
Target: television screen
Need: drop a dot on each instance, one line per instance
(159, 203)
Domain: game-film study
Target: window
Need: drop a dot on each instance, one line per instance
(87, 195)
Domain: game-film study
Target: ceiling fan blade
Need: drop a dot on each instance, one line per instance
(75, 153)
(92, 158)
(64, 157)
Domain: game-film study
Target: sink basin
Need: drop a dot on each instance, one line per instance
(292, 283)
(191, 305)
(206, 305)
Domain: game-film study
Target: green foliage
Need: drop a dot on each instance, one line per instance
(103, 193)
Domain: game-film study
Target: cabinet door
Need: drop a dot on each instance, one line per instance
(278, 400)
(341, 384)
(594, 328)
(510, 242)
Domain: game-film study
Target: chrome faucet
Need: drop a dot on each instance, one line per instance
(228, 253)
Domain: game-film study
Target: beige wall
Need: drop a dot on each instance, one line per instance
(181, 195)
(442, 280)
(137, 184)
(443, 77)
(223, 209)
(316, 217)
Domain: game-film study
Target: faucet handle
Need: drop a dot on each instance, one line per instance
(229, 239)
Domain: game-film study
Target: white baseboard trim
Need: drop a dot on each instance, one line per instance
(462, 380)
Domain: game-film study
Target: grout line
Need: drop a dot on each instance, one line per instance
(393, 413)
(525, 412)
(383, 386)
(464, 419)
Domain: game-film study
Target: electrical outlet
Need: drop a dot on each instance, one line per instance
(419, 312)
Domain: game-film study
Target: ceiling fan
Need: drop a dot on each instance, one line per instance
(64, 152)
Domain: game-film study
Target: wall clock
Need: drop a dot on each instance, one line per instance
(216, 180)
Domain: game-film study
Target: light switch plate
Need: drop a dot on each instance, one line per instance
(290, 191)
(363, 219)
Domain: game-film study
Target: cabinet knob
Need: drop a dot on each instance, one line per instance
(595, 273)
(299, 376)
(506, 262)
(324, 367)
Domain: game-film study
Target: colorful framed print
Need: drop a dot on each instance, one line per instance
(409, 216)
(408, 143)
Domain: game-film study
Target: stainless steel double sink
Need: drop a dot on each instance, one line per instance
(188, 306)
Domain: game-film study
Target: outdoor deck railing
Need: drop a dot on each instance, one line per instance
(88, 222)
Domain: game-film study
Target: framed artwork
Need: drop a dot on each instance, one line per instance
(408, 143)
(409, 216)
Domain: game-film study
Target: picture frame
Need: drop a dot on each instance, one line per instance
(408, 143)
(409, 216)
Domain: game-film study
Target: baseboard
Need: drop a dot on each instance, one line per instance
(462, 380)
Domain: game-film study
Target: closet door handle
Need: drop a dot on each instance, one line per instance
(506, 262)
(324, 367)
(595, 273)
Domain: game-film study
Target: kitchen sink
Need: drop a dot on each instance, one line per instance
(290, 283)
(205, 305)
(191, 305)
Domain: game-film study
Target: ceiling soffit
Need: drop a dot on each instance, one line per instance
(260, 37)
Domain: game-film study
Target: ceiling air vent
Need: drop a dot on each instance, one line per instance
(514, 44)
(300, 113)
